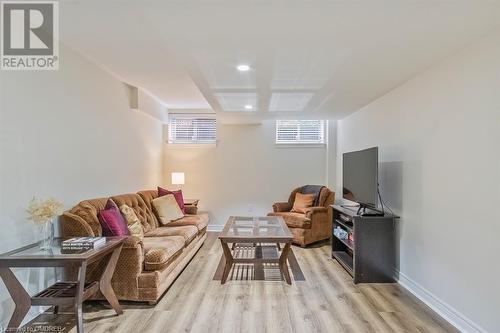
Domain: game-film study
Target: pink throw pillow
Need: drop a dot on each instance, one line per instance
(177, 195)
(112, 221)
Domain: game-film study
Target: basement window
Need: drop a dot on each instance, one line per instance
(300, 132)
(195, 131)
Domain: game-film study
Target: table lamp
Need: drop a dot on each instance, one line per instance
(178, 178)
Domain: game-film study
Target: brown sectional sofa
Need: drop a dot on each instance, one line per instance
(145, 268)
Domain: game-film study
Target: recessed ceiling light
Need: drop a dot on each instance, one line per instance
(248, 107)
(243, 68)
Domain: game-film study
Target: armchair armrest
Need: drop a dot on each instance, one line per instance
(282, 207)
(310, 212)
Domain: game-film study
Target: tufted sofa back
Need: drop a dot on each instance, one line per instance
(141, 209)
(148, 196)
(82, 219)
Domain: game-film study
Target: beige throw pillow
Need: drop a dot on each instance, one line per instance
(133, 224)
(302, 202)
(167, 209)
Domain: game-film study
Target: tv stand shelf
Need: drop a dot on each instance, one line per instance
(346, 225)
(345, 260)
(371, 256)
(346, 242)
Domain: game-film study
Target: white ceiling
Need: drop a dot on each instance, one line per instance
(321, 59)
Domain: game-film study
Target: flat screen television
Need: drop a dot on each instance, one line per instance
(360, 177)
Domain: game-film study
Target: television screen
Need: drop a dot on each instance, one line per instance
(360, 176)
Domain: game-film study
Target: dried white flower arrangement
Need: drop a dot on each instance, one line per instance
(41, 211)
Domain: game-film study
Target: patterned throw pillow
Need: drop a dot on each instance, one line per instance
(133, 224)
(167, 209)
(302, 202)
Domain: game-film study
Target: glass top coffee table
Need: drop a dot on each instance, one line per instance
(256, 230)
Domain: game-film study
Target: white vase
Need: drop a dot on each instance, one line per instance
(46, 235)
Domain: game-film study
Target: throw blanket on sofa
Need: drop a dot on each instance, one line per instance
(312, 189)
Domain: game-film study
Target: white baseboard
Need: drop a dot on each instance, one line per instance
(461, 322)
(215, 227)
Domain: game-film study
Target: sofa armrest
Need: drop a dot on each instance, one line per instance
(312, 211)
(132, 242)
(131, 260)
(73, 225)
(282, 207)
(191, 209)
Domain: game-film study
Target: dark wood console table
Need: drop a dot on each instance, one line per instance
(62, 293)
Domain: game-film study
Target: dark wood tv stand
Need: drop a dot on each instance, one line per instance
(371, 255)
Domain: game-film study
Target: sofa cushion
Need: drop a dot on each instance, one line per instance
(161, 251)
(294, 220)
(178, 197)
(134, 201)
(112, 221)
(167, 209)
(200, 221)
(188, 232)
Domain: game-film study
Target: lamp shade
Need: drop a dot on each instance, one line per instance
(177, 178)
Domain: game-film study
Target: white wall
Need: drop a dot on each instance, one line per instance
(439, 140)
(68, 134)
(246, 173)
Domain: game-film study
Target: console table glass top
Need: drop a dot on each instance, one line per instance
(34, 252)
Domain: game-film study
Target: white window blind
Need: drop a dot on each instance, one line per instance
(184, 130)
(300, 131)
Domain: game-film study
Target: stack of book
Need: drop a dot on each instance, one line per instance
(82, 244)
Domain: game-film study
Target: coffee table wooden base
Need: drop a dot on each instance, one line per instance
(282, 263)
(230, 260)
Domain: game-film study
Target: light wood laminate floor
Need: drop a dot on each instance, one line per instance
(327, 301)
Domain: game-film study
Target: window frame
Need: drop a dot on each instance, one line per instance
(287, 144)
(193, 144)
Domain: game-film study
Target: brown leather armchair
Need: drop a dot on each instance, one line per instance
(314, 225)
